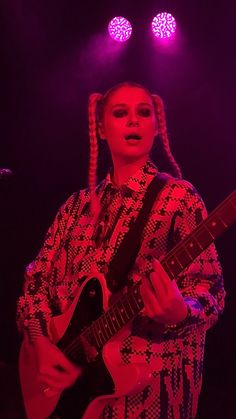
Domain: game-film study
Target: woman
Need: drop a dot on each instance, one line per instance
(168, 335)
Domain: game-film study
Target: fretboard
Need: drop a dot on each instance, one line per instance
(121, 312)
(204, 234)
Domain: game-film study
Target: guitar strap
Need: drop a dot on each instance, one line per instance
(126, 254)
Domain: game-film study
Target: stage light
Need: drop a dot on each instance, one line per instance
(120, 29)
(163, 25)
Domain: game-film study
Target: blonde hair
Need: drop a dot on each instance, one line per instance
(93, 155)
(162, 130)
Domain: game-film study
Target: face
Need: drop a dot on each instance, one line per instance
(129, 124)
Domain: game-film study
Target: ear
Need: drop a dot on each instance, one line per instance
(101, 132)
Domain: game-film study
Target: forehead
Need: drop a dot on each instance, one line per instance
(128, 95)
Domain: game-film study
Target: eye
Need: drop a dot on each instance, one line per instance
(145, 112)
(119, 113)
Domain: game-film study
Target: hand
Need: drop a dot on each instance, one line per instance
(56, 372)
(162, 298)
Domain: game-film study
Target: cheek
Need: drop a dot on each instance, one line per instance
(113, 129)
(151, 130)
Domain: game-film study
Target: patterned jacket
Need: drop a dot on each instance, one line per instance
(74, 246)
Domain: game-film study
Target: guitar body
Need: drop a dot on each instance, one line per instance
(104, 374)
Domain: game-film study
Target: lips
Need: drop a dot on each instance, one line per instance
(133, 136)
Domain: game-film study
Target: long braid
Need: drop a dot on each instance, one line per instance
(93, 158)
(161, 121)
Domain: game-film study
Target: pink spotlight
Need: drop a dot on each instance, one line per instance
(163, 25)
(120, 29)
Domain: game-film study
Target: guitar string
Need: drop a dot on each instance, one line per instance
(76, 342)
(178, 246)
(71, 349)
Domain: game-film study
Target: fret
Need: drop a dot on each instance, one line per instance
(174, 265)
(102, 328)
(229, 216)
(194, 246)
(96, 334)
(189, 247)
(232, 199)
(99, 330)
(178, 260)
(184, 257)
(106, 324)
(117, 315)
(225, 212)
(136, 301)
(185, 254)
(166, 267)
(131, 301)
(69, 349)
(216, 225)
(205, 226)
(122, 311)
(204, 236)
(128, 307)
(111, 321)
(114, 319)
(89, 336)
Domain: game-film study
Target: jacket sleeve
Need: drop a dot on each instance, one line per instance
(201, 284)
(33, 306)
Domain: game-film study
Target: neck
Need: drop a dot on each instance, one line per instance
(123, 170)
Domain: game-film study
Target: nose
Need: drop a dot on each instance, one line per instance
(133, 123)
(133, 120)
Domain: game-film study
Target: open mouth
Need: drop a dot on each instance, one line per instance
(133, 137)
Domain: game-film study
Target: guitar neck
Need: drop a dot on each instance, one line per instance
(204, 234)
(179, 258)
(112, 321)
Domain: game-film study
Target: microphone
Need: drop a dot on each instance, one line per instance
(5, 173)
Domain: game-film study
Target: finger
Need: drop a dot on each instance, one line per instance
(63, 363)
(58, 383)
(70, 369)
(149, 298)
(165, 287)
(161, 271)
(161, 281)
(55, 374)
(148, 283)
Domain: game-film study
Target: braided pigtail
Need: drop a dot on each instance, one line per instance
(93, 156)
(162, 130)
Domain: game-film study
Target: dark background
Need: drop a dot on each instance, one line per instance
(53, 53)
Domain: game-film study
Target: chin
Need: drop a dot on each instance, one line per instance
(133, 156)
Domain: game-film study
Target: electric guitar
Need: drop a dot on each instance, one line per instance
(92, 337)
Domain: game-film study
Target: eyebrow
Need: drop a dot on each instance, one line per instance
(125, 104)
